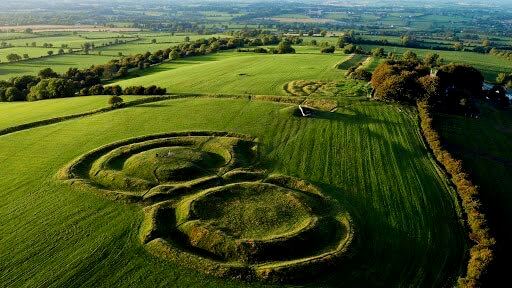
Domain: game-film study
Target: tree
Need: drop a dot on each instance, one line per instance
(432, 90)
(349, 49)
(153, 41)
(29, 30)
(329, 49)
(340, 43)
(378, 52)
(431, 59)
(501, 78)
(33, 44)
(361, 74)
(187, 39)
(313, 42)
(123, 72)
(407, 41)
(284, 47)
(323, 33)
(96, 90)
(13, 57)
(25, 56)
(459, 46)
(115, 101)
(115, 90)
(47, 73)
(50, 52)
(86, 47)
(51, 88)
(401, 88)
(61, 51)
(14, 94)
(410, 56)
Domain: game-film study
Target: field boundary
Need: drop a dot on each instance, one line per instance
(292, 100)
(54, 120)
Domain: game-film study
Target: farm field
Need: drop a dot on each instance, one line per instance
(488, 158)
(16, 113)
(72, 41)
(59, 63)
(239, 73)
(32, 52)
(64, 236)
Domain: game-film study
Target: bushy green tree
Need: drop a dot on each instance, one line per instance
(115, 90)
(13, 57)
(284, 47)
(410, 56)
(14, 94)
(47, 73)
(432, 60)
(51, 88)
(115, 101)
(378, 52)
(329, 49)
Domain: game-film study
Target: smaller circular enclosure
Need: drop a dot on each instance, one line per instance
(278, 229)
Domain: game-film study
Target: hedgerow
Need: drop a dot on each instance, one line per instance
(481, 253)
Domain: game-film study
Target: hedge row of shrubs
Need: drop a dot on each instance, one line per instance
(481, 253)
(116, 90)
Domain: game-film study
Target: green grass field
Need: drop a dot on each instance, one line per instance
(238, 73)
(73, 41)
(488, 158)
(32, 52)
(59, 63)
(368, 156)
(16, 113)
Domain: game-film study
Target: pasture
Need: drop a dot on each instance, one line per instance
(62, 235)
(238, 73)
(32, 52)
(17, 113)
(59, 63)
(488, 158)
(71, 40)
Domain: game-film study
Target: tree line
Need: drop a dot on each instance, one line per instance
(451, 88)
(49, 84)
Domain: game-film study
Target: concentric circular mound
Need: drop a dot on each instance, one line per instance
(279, 229)
(155, 165)
(215, 212)
(310, 88)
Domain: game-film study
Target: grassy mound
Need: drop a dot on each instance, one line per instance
(169, 164)
(134, 166)
(282, 229)
(310, 88)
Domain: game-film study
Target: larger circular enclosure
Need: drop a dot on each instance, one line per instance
(215, 211)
